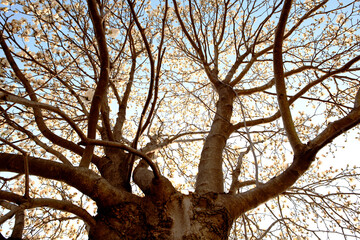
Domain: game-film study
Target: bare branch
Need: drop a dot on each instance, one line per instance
(280, 79)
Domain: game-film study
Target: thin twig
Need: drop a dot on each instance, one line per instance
(250, 141)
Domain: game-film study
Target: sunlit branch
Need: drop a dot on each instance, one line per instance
(280, 79)
(264, 51)
(123, 103)
(18, 211)
(11, 123)
(251, 144)
(257, 121)
(245, 70)
(262, 24)
(271, 83)
(121, 115)
(102, 84)
(336, 128)
(54, 73)
(239, 60)
(264, 234)
(313, 99)
(195, 32)
(153, 147)
(26, 164)
(105, 115)
(13, 209)
(152, 75)
(298, 95)
(12, 145)
(236, 172)
(154, 80)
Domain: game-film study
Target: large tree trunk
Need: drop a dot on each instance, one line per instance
(180, 217)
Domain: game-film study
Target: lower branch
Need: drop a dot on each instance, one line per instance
(45, 202)
(240, 203)
(85, 180)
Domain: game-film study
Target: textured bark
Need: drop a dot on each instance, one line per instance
(180, 217)
(163, 213)
(115, 168)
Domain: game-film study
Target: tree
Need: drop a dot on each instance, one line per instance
(178, 120)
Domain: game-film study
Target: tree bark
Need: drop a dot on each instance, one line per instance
(180, 217)
(211, 156)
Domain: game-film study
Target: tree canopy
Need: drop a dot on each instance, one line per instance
(105, 103)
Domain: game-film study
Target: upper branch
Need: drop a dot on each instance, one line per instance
(37, 111)
(103, 82)
(152, 72)
(196, 47)
(280, 79)
(161, 53)
(338, 127)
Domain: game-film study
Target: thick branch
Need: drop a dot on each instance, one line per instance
(102, 85)
(336, 128)
(211, 156)
(123, 105)
(85, 180)
(160, 188)
(280, 79)
(240, 203)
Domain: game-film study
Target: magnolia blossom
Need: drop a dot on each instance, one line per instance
(89, 94)
(113, 32)
(340, 18)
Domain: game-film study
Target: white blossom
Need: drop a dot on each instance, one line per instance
(340, 18)
(113, 32)
(89, 94)
(5, 2)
